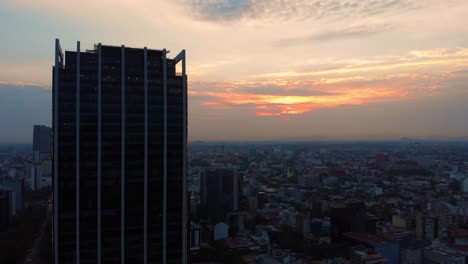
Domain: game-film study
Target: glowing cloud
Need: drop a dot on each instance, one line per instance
(294, 93)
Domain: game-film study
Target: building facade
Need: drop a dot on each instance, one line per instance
(367, 257)
(41, 164)
(16, 185)
(7, 207)
(36, 177)
(119, 156)
(219, 192)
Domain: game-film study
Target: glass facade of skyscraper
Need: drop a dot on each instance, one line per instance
(120, 132)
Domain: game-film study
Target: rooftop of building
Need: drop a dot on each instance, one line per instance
(119, 47)
(339, 205)
(367, 238)
(395, 229)
(368, 254)
(115, 47)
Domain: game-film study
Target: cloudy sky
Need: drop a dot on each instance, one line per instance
(262, 69)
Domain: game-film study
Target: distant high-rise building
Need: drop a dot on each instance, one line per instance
(41, 151)
(36, 176)
(381, 160)
(427, 226)
(40, 174)
(119, 157)
(219, 192)
(41, 141)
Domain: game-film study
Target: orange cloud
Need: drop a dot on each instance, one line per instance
(455, 62)
(215, 105)
(289, 98)
(283, 94)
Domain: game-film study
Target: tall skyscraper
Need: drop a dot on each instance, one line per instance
(41, 141)
(120, 133)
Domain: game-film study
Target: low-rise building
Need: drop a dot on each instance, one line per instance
(367, 257)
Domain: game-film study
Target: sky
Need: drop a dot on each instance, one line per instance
(262, 69)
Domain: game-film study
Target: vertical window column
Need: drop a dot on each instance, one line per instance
(122, 161)
(99, 213)
(145, 220)
(55, 153)
(77, 202)
(164, 61)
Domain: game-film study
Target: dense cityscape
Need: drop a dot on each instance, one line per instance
(362, 202)
(286, 202)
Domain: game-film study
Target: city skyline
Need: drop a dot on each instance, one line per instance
(264, 70)
(234, 131)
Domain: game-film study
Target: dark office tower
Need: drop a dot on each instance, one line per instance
(41, 140)
(120, 133)
(350, 217)
(218, 192)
